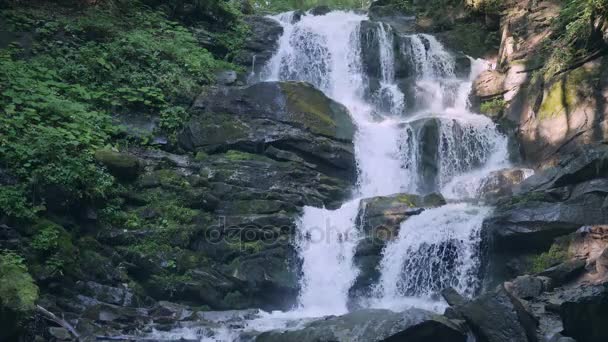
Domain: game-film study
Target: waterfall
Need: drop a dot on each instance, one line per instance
(436, 145)
(434, 250)
(441, 144)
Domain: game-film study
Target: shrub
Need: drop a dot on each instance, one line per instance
(18, 293)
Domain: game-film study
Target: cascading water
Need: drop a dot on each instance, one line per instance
(441, 147)
(326, 52)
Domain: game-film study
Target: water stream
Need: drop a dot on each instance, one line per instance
(434, 249)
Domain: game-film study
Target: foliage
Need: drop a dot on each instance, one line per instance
(576, 35)
(493, 107)
(555, 255)
(18, 293)
(58, 106)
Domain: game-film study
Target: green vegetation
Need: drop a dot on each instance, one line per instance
(61, 95)
(493, 107)
(18, 293)
(577, 31)
(555, 255)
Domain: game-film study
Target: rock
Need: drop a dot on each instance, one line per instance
(287, 115)
(121, 165)
(260, 44)
(501, 183)
(561, 338)
(320, 10)
(528, 286)
(60, 334)
(380, 217)
(588, 164)
(226, 77)
(172, 311)
(489, 84)
(530, 221)
(107, 294)
(565, 271)
(585, 313)
(373, 325)
(452, 297)
(499, 317)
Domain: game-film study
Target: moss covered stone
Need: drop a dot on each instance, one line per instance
(121, 165)
(309, 107)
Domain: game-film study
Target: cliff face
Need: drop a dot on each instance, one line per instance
(554, 103)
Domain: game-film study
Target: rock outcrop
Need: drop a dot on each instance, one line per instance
(553, 112)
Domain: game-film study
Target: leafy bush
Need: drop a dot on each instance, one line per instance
(57, 107)
(493, 107)
(18, 293)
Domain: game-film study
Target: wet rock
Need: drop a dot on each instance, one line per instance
(374, 325)
(121, 165)
(528, 286)
(60, 334)
(172, 311)
(497, 316)
(260, 44)
(384, 214)
(501, 183)
(564, 272)
(320, 10)
(585, 313)
(287, 115)
(226, 77)
(107, 294)
(452, 297)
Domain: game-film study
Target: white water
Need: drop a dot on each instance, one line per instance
(437, 248)
(434, 250)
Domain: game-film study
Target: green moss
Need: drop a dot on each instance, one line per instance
(533, 196)
(493, 108)
(310, 108)
(239, 155)
(116, 159)
(407, 199)
(555, 255)
(165, 178)
(18, 293)
(200, 156)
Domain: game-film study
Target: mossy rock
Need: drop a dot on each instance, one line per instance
(18, 295)
(566, 92)
(122, 166)
(163, 178)
(316, 112)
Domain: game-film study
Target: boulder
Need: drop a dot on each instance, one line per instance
(584, 313)
(489, 84)
(107, 294)
(261, 43)
(121, 165)
(320, 10)
(289, 116)
(564, 272)
(373, 325)
(380, 217)
(499, 184)
(528, 286)
(497, 316)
